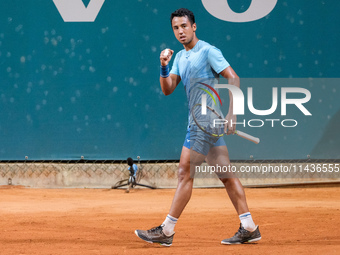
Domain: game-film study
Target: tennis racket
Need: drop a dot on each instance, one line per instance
(211, 123)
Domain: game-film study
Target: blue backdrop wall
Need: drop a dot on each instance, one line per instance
(71, 89)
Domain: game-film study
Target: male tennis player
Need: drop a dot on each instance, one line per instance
(196, 62)
(133, 170)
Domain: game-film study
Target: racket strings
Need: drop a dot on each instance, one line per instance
(208, 120)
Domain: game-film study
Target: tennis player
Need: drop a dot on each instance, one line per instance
(199, 61)
(133, 170)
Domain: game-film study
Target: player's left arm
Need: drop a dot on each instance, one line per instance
(233, 79)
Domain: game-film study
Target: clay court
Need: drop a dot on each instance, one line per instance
(296, 220)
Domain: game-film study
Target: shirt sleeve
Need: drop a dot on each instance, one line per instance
(216, 60)
(175, 69)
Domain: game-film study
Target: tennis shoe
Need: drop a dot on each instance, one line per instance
(243, 236)
(155, 235)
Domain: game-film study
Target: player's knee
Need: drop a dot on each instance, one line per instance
(227, 180)
(183, 173)
(231, 182)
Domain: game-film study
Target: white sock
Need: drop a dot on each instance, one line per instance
(169, 225)
(247, 221)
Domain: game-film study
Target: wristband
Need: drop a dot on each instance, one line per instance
(165, 72)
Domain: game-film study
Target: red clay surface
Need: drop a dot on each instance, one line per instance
(98, 221)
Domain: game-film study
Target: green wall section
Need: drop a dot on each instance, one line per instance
(72, 89)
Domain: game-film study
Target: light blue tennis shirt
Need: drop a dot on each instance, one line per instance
(196, 67)
(135, 168)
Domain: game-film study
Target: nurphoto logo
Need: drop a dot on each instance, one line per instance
(238, 105)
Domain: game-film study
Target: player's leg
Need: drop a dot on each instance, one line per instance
(247, 232)
(189, 159)
(196, 146)
(165, 232)
(219, 156)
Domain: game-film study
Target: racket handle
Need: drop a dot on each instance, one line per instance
(248, 137)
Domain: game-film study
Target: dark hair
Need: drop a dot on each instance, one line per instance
(129, 161)
(182, 12)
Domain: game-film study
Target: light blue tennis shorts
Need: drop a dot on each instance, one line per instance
(201, 142)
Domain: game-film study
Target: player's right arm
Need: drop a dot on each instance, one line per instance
(168, 84)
